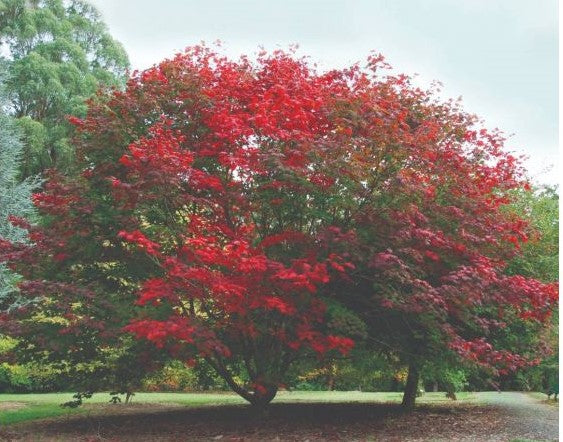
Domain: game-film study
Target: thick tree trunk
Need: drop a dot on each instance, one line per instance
(260, 399)
(409, 395)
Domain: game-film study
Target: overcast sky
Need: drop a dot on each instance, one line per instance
(499, 55)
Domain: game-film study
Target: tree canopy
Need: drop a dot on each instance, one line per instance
(59, 52)
(262, 211)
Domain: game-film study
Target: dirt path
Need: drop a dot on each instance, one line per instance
(489, 416)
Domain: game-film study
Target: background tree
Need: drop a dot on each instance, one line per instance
(15, 198)
(539, 259)
(59, 52)
(540, 254)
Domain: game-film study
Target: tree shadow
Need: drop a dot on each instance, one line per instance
(240, 420)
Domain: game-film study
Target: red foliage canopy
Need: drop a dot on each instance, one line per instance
(257, 189)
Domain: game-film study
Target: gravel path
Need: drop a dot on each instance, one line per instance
(527, 416)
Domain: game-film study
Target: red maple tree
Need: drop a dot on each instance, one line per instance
(237, 196)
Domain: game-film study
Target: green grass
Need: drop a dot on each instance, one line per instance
(33, 412)
(359, 396)
(525, 440)
(100, 398)
(46, 405)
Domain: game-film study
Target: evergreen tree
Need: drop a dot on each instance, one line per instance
(15, 197)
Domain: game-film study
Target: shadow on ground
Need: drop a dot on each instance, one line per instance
(283, 422)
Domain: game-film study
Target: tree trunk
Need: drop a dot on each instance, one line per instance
(409, 395)
(435, 387)
(331, 374)
(260, 399)
(450, 392)
(330, 383)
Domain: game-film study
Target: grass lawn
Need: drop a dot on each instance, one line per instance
(16, 408)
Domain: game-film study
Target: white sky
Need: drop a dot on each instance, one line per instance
(501, 56)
